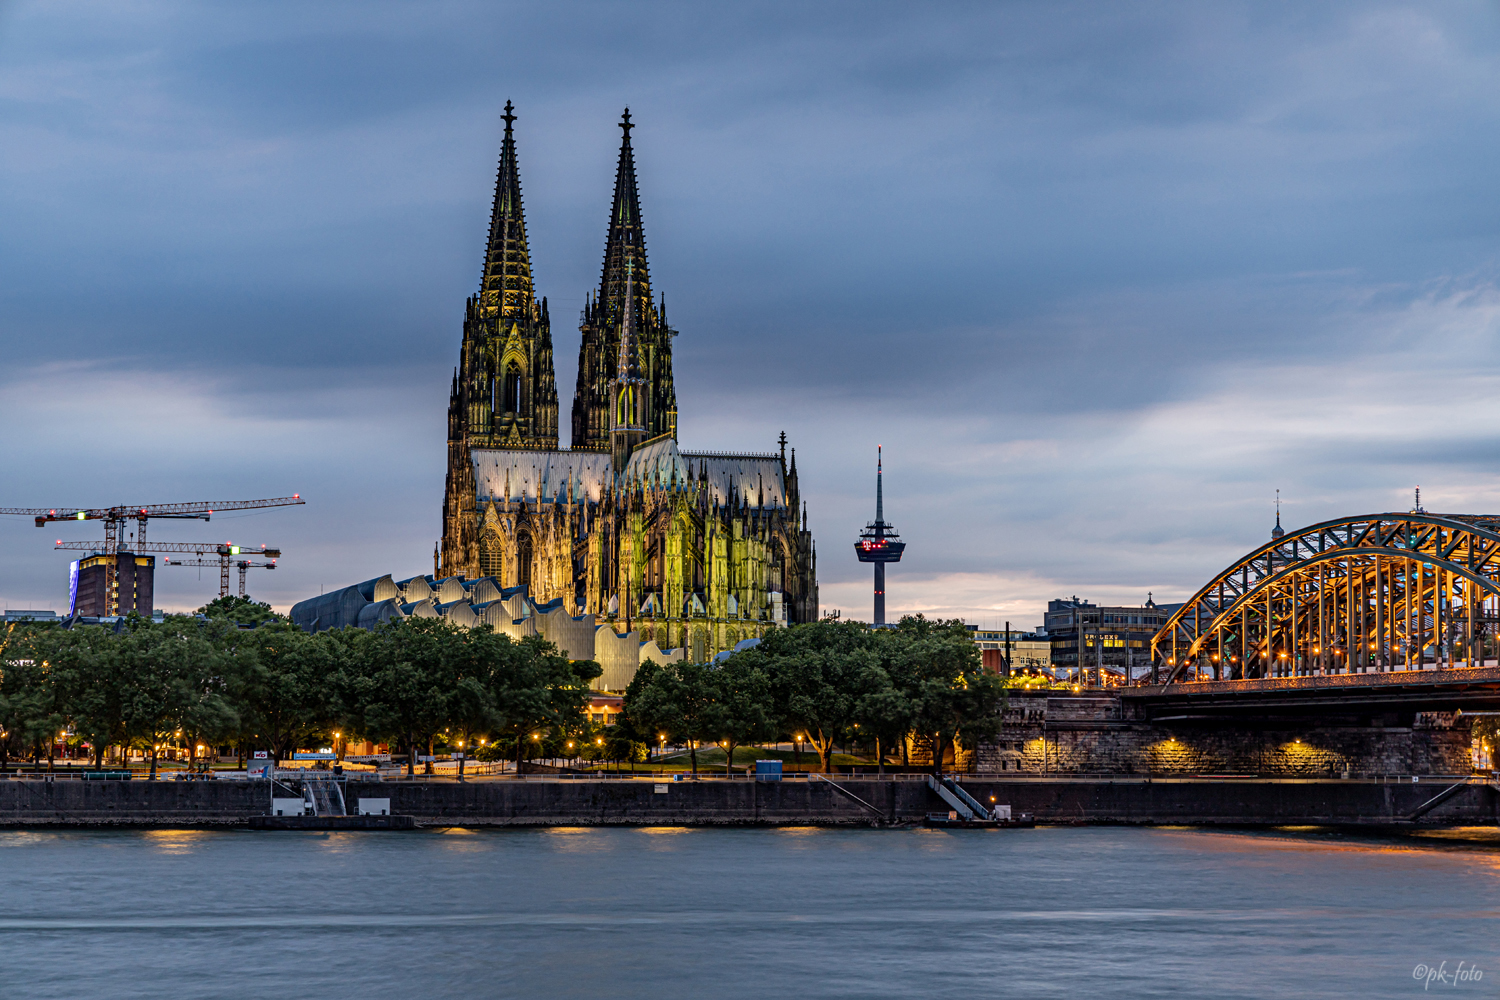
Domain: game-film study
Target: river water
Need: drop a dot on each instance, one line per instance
(1100, 912)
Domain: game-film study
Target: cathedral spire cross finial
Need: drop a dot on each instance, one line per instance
(508, 116)
(625, 124)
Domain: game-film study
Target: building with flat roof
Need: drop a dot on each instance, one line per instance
(1030, 652)
(1113, 639)
(28, 616)
(126, 577)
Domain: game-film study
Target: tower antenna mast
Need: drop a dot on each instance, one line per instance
(879, 543)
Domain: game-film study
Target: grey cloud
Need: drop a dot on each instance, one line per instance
(998, 237)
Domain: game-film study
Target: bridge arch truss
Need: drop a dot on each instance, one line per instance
(1371, 593)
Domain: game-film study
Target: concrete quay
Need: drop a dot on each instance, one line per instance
(718, 802)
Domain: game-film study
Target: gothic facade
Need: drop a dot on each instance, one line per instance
(692, 550)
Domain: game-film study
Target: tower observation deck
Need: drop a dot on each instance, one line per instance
(879, 543)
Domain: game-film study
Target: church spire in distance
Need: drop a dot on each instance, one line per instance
(506, 285)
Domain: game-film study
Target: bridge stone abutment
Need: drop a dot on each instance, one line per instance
(1062, 733)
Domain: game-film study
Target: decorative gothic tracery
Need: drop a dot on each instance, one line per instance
(693, 550)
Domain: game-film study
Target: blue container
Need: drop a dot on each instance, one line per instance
(768, 770)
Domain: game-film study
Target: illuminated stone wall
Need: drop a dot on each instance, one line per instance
(1085, 734)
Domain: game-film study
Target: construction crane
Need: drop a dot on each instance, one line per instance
(114, 518)
(223, 565)
(223, 550)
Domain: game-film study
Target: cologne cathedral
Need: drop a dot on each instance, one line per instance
(691, 550)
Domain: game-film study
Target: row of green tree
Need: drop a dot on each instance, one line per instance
(190, 682)
(418, 683)
(835, 683)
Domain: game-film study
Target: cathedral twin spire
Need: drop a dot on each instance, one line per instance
(626, 279)
(505, 392)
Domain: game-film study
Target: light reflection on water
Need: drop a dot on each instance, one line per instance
(801, 912)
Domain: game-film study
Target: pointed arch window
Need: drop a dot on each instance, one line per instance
(513, 388)
(523, 560)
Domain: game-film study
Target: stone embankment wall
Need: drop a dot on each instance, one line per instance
(1294, 802)
(709, 803)
(34, 801)
(1063, 733)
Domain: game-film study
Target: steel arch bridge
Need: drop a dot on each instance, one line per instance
(1371, 593)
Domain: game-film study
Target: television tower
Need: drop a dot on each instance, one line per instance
(879, 543)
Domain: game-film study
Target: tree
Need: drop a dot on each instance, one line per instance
(470, 669)
(402, 688)
(953, 699)
(537, 690)
(882, 711)
(679, 698)
(631, 723)
(816, 672)
(283, 681)
(86, 662)
(741, 711)
(240, 610)
(30, 708)
(167, 672)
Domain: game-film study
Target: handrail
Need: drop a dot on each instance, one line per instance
(946, 794)
(1437, 800)
(856, 798)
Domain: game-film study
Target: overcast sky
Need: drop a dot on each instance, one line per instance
(1100, 277)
